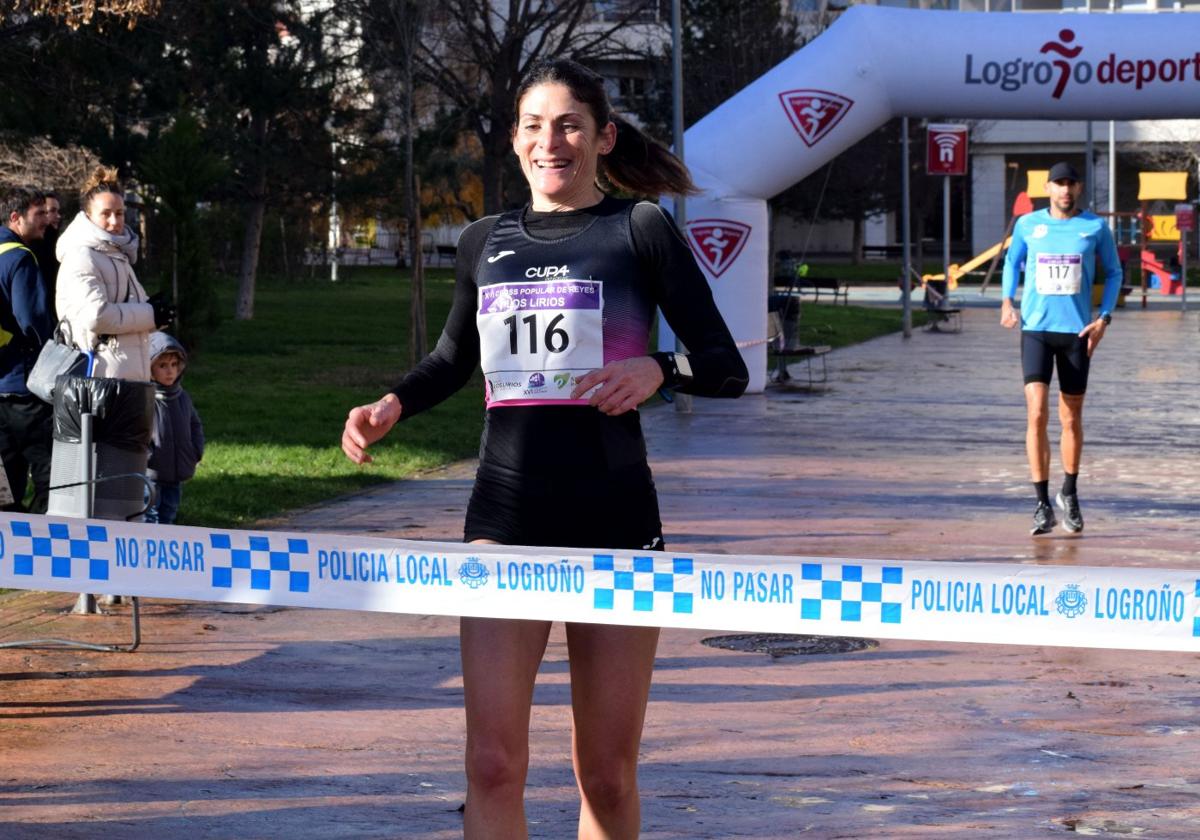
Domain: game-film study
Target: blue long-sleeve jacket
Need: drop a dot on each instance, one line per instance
(26, 320)
(1060, 267)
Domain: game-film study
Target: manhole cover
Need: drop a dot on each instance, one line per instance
(783, 644)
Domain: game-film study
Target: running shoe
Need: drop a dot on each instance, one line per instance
(1043, 520)
(1072, 518)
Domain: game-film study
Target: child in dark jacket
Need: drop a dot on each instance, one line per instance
(178, 441)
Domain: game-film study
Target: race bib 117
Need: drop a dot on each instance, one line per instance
(1059, 274)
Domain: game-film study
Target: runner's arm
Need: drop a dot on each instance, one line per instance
(456, 356)
(1017, 250)
(1111, 262)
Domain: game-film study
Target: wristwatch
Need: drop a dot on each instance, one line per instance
(1106, 318)
(676, 369)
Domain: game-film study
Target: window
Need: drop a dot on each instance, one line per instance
(637, 11)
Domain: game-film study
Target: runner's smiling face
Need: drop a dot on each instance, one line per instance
(1064, 197)
(559, 145)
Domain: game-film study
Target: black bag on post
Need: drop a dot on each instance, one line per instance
(59, 357)
(122, 413)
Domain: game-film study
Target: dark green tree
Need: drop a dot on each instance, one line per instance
(862, 181)
(263, 76)
(726, 46)
(182, 170)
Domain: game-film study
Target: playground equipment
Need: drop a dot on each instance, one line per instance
(1161, 244)
(1022, 205)
(875, 63)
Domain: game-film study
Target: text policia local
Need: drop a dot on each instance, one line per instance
(1124, 603)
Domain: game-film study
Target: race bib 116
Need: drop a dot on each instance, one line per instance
(537, 337)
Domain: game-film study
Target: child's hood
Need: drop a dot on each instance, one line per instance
(161, 343)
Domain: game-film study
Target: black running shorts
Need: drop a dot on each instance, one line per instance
(1042, 352)
(616, 510)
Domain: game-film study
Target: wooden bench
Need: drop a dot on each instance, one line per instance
(945, 314)
(781, 350)
(883, 252)
(814, 286)
(943, 319)
(434, 254)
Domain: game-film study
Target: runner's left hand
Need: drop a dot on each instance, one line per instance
(624, 385)
(1093, 332)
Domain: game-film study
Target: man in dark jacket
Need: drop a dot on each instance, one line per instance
(26, 322)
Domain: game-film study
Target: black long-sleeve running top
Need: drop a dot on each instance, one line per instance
(666, 275)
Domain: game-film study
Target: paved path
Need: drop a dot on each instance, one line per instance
(251, 722)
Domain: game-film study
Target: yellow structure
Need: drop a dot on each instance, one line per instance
(1035, 183)
(1162, 185)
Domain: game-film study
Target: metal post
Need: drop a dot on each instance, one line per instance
(1183, 269)
(683, 402)
(946, 230)
(335, 222)
(1089, 169)
(906, 225)
(86, 603)
(1112, 176)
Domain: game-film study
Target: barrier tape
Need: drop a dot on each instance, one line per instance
(1101, 607)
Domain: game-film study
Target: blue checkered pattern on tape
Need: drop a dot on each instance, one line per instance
(67, 551)
(837, 590)
(642, 583)
(259, 563)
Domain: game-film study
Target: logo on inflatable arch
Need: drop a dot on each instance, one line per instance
(1063, 64)
(717, 242)
(814, 113)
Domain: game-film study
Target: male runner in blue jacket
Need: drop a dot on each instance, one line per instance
(1059, 247)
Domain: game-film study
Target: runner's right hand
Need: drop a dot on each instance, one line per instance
(367, 424)
(1008, 315)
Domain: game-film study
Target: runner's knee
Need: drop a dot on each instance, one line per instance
(495, 767)
(609, 783)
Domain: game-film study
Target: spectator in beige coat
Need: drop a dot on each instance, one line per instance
(98, 293)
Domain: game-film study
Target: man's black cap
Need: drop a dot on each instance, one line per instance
(1063, 171)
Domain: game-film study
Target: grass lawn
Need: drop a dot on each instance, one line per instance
(273, 392)
(870, 272)
(838, 325)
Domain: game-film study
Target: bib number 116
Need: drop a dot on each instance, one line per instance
(555, 338)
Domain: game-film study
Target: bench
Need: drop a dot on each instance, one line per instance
(883, 252)
(434, 254)
(814, 286)
(782, 350)
(943, 319)
(943, 310)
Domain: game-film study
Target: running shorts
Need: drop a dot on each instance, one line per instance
(616, 510)
(1042, 352)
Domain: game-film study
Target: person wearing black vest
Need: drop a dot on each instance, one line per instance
(555, 302)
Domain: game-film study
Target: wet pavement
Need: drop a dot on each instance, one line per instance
(246, 722)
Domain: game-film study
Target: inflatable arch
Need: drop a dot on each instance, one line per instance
(876, 63)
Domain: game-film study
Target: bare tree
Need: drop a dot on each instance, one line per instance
(76, 13)
(41, 163)
(476, 52)
(392, 31)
